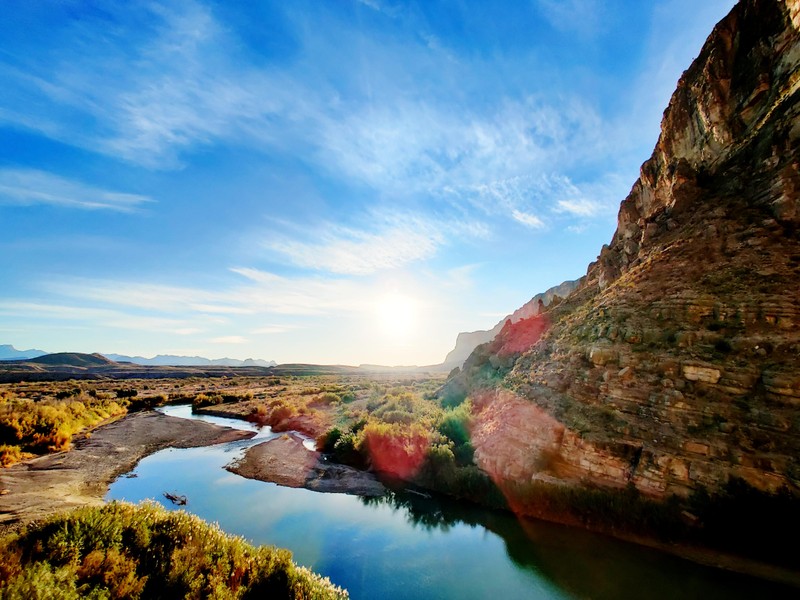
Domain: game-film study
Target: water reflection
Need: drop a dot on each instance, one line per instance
(581, 563)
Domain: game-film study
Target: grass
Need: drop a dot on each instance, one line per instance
(121, 551)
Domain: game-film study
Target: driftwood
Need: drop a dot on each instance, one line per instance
(418, 493)
(179, 500)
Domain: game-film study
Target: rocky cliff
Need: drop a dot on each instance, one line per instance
(675, 365)
(467, 341)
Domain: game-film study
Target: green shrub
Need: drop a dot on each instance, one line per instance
(329, 398)
(124, 551)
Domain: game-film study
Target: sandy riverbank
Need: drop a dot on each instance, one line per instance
(285, 461)
(42, 486)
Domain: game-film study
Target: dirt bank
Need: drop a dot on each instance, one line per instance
(285, 461)
(45, 485)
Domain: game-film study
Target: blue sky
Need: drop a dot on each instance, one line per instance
(341, 181)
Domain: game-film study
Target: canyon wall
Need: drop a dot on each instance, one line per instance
(675, 365)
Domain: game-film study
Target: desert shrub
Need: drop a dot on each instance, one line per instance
(9, 455)
(399, 406)
(395, 449)
(48, 426)
(230, 398)
(280, 410)
(273, 413)
(327, 441)
(329, 398)
(124, 551)
(455, 427)
(258, 414)
(127, 393)
(349, 450)
(202, 400)
(345, 446)
(149, 402)
(453, 393)
(158, 400)
(442, 471)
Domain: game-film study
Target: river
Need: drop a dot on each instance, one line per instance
(406, 546)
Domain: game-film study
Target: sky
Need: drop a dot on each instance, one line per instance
(337, 182)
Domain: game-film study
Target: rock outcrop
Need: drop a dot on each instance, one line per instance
(467, 341)
(675, 365)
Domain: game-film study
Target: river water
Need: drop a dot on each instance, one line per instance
(408, 546)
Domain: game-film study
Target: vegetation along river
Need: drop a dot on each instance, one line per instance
(409, 546)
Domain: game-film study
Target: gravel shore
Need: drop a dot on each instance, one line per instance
(42, 486)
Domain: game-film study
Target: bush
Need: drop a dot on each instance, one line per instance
(48, 425)
(202, 400)
(328, 398)
(124, 551)
(398, 450)
(9, 455)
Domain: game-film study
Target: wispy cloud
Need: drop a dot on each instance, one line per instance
(342, 250)
(260, 293)
(98, 317)
(373, 4)
(30, 186)
(582, 207)
(184, 91)
(527, 219)
(424, 148)
(189, 89)
(578, 16)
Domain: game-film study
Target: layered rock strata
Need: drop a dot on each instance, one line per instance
(675, 365)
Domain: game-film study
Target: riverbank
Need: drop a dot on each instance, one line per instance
(49, 484)
(286, 461)
(53, 483)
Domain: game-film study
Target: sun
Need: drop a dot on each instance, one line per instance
(396, 315)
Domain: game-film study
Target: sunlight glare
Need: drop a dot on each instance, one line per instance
(396, 315)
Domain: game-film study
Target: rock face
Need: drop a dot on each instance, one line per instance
(466, 342)
(676, 362)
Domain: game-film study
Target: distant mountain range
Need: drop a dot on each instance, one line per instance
(8, 352)
(466, 342)
(171, 360)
